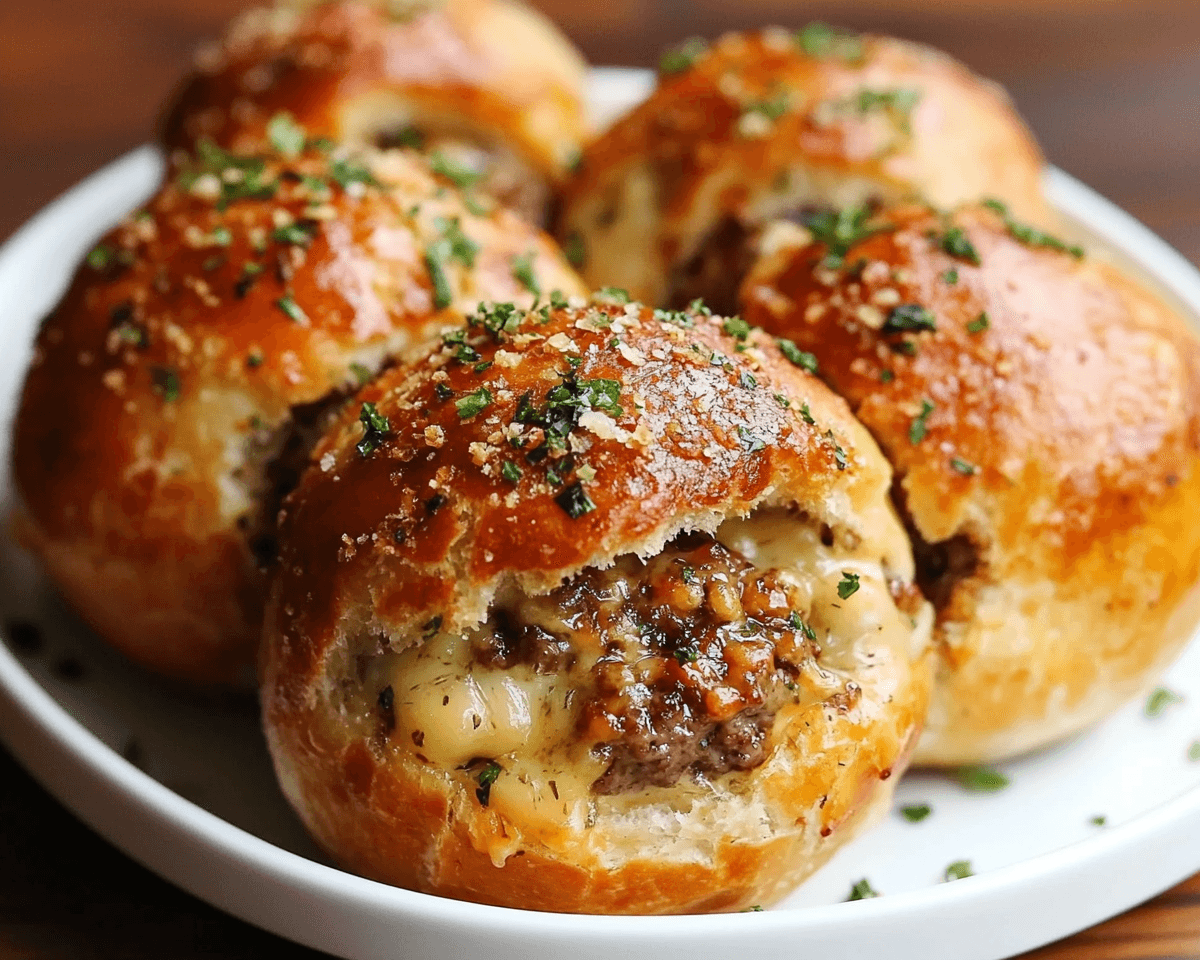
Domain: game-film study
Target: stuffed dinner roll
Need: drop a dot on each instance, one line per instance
(594, 609)
(1042, 414)
(667, 202)
(177, 387)
(490, 86)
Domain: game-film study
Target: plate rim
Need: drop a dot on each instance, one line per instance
(170, 834)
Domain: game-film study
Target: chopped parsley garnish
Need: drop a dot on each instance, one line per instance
(951, 275)
(750, 441)
(498, 319)
(797, 623)
(964, 467)
(822, 41)
(958, 870)
(432, 627)
(361, 374)
(737, 328)
(473, 403)
(1193, 753)
(291, 309)
(806, 415)
(909, 317)
(683, 57)
(286, 136)
(442, 391)
(408, 136)
(522, 271)
(299, 234)
(1159, 700)
(347, 170)
(604, 295)
(211, 263)
(165, 382)
(886, 376)
(676, 318)
(461, 176)
(897, 103)
(1031, 236)
(956, 243)
(212, 160)
(848, 585)
(435, 255)
(839, 455)
(920, 423)
(747, 382)
(979, 324)
(772, 109)
(254, 359)
(510, 472)
(688, 654)
(462, 247)
(560, 302)
(375, 429)
(688, 573)
(916, 812)
(575, 501)
(221, 236)
(100, 256)
(801, 358)
(980, 779)
(862, 890)
(487, 776)
(753, 908)
(1098, 821)
(839, 231)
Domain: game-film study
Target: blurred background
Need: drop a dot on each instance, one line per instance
(1110, 87)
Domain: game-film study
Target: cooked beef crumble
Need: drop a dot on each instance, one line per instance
(691, 654)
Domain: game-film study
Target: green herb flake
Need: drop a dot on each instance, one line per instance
(165, 382)
(681, 58)
(979, 324)
(375, 428)
(919, 428)
(347, 171)
(254, 359)
(839, 455)
(886, 376)
(1193, 752)
(688, 573)
(408, 136)
(221, 236)
(751, 442)
(797, 623)
(510, 472)
(1159, 700)
(840, 231)
(909, 317)
(958, 870)
(806, 415)
(473, 403)
(746, 380)
(297, 234)
(956, 243)
(915, 812)
(951, 276)
(753, 908)
(898, 104)
(522, 271)
(801, 358)
(780, 399)
(462, 247)
(432, 627)
(1031, 236)
(1098, 821)
(613, 295)
(100, 257)
(291, 309)
(737, 328)
(487, 776)
(962, 466)
(285, 135)
(461, 176)
(848, 585)
(361, 374)
(442, 392)
(435, 255)
(822, 41)
(575, 250)
(687, 654)
(772, 108)
(862, 890)
(676, 318)
(980, 779)
(575, 501)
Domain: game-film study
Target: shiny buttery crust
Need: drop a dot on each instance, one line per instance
(167, 379)
(365, 555)
(765, 124)
(1053, 486)
(492, 73)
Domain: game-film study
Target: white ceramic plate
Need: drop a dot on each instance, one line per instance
(200, 806)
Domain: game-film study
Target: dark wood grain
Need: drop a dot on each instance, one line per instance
(1111, 88)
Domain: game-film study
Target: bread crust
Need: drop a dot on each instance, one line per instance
(490, 75)
(759, 127)
(197, 346)
(1044, 439)
(391, 552)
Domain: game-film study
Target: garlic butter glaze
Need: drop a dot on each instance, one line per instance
(594, 609)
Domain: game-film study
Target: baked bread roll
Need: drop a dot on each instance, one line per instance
(490, 85)
(593, 611)
(1042, 414)
(779, 124)
(178, 385)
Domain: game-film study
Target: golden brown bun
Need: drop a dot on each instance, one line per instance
(406, 573)
(1052, 487)
(760, 127)
(491, 83)
(176, 384)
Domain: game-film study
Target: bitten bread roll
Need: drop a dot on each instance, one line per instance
(779, 124)
(176, 389)
(593, 610)
(490, 85)
(1042, 414)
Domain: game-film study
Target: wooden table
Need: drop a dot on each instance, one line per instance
(1111, 87)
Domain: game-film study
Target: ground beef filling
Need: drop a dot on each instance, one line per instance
(691, 654)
